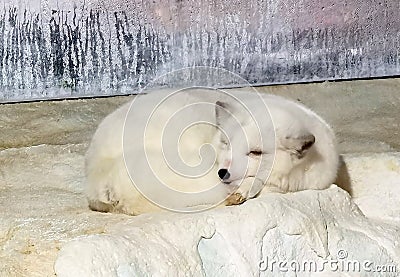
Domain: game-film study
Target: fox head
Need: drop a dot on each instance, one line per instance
(267, 144)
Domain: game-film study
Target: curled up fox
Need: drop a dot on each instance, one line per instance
(191, 149)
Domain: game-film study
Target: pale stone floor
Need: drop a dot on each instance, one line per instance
(41, 164)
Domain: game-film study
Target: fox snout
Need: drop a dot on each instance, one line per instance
(224, 174)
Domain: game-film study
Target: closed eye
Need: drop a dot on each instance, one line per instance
(224, 145)
(255, 153)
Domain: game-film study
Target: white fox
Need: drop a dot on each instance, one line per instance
(199, 147)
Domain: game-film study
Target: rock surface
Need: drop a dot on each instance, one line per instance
(42, 207)
(243, 240)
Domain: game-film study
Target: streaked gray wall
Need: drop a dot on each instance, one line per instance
(56, 49)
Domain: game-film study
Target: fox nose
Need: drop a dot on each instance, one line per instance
(224, 174)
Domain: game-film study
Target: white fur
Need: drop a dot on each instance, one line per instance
(109, 187)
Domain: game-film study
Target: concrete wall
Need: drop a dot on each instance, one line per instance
(60, 49)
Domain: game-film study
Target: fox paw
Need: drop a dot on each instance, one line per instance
(235, 199)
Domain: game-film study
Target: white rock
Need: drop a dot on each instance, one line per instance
(375, 184)
(311, 228)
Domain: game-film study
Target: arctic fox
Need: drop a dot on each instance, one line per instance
(200, 147)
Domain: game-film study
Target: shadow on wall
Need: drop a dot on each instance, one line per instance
(343, 177)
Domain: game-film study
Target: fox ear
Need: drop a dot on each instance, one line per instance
(298, 145)
(222, 112)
